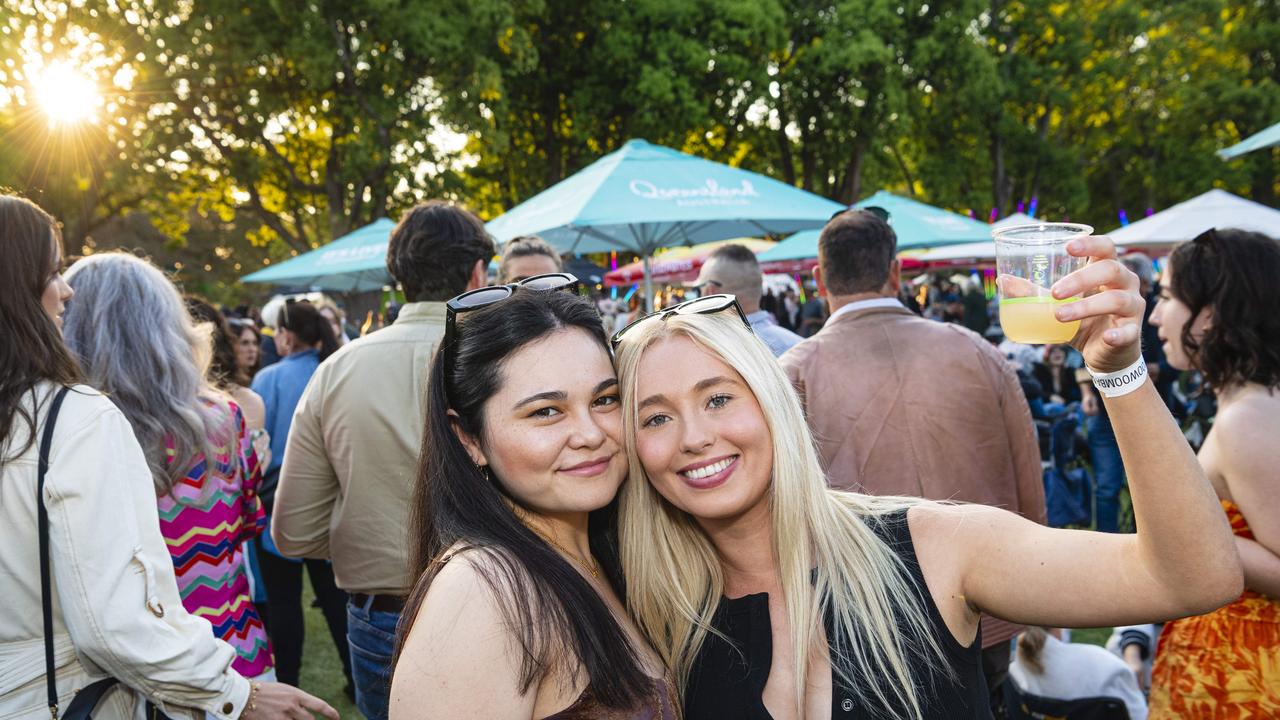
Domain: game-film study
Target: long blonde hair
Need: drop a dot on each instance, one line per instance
(674, 577)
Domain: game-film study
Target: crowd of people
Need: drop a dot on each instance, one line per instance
(517, 500)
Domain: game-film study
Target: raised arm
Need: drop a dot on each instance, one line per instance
(1182, 561)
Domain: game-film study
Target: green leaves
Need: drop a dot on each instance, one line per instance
(268, 128)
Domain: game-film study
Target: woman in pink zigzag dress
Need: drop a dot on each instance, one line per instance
(137, 343)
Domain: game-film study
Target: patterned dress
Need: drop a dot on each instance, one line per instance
(205, 521)
(1224, 665)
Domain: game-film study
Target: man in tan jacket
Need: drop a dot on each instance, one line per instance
(900, 405)
(352, 457)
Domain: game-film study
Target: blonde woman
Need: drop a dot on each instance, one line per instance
(772, 596)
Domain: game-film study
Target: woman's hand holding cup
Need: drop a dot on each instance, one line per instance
(1111, 310)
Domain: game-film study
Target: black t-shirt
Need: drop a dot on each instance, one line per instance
(727, 681)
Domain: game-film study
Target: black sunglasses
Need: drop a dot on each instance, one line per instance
(873, 209)
(706, 305)
(486, 296)
(284, 309)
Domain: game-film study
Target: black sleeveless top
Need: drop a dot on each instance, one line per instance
(728, 681)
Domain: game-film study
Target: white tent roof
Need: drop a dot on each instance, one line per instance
(977, 251)
(1014, 219)
(1184, 221)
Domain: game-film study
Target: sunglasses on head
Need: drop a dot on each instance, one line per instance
(873, 209)
(486, 296)
(284, 309)
(706, 305)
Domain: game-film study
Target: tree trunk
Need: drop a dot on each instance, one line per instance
(906, 171)
(1001, 188)
(997, 169)
(1033, 185)
(552, 143)
(378, 203)
(333, 190)
(807, 160)
(1263, 180)
(851, 188)
(787, 162)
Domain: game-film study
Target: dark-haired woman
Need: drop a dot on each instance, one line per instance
(304, 339)
(228, 376)
(116, 608)
(1056, 377)
(248, 342)
(516, 613)
(1219, 313)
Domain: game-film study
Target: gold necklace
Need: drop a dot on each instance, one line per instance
(593, 568)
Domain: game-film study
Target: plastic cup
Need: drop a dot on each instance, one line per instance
(1029, 260)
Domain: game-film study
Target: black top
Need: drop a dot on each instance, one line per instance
(1065, 379)
(728, 681)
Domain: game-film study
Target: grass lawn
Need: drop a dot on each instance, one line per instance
(1092, 636)
(321, 670)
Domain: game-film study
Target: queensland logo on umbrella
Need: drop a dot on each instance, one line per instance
(350, 254)
(710, 193)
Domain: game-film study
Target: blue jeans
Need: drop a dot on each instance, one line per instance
(372, 637)
(1108, 473)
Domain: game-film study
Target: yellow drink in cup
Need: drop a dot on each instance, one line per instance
(1030, 320)
(1029, 260)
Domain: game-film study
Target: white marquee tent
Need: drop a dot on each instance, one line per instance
(1186, 220)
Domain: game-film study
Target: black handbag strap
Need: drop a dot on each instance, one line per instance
(42, 521)
(86, 699)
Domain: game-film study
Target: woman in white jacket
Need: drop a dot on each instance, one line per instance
(116, 608)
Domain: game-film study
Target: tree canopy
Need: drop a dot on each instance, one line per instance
(247, 132)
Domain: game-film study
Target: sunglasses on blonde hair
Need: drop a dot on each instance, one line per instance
(706, 305)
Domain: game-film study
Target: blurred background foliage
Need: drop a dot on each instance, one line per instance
(223, 135)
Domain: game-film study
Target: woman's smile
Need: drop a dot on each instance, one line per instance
(709, 474)
(590, 468)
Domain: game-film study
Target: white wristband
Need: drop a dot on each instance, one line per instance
(1120, 383)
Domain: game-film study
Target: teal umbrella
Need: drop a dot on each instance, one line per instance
(1257, 141)
(643, 197)
(355, 262)
(801, 246)
(916, 224)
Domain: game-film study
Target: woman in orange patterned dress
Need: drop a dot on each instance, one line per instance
(1218, 314)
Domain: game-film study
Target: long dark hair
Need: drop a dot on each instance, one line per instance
(303, 319)
(238, 327)
(224, 373)
(1235, 273)
(543, 598)
(31, 349)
